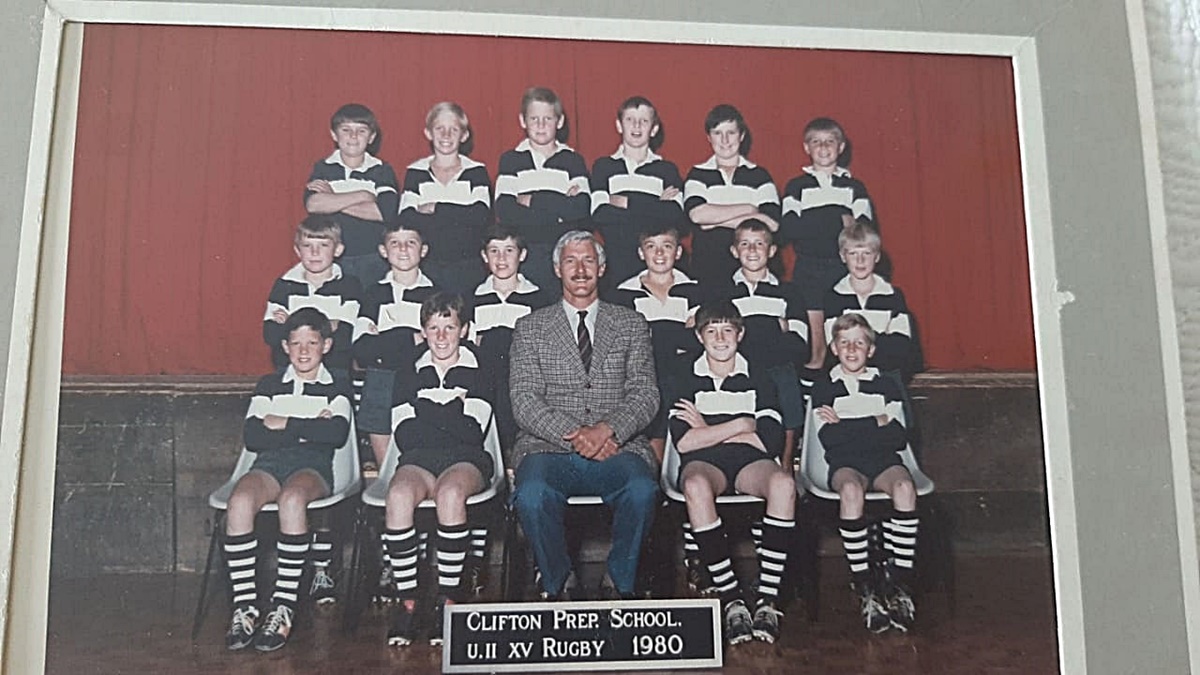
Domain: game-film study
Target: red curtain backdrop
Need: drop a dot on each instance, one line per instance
(194, 144)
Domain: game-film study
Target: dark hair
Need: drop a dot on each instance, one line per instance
(724, 112)
(754, 225)
(634, 102)
(825, 124)
(718, 311)
(443, 303)
(655, 228)
(400, 226)
(308, 317)
(357, 112)
(500, 232)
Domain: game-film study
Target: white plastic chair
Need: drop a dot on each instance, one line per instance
(375, 495)
(347, 481)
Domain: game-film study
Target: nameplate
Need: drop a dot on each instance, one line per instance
(564, 636)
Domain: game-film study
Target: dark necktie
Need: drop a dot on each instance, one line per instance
(585, 341)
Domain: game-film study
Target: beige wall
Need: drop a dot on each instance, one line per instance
(1119, 385)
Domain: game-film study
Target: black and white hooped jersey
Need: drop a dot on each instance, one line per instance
(462, 212)
(813, 205)
(547, 180)
(496, 316)
(669, 334)
(746, 392)
(434, 409)
(766, 307)
(887, 312)
(642, 184)
(337, 298)
(375, 176)
(301, 401)
(857, 401)
(707, 184)
(389, 321)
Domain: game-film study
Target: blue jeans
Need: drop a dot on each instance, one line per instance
(625, 482)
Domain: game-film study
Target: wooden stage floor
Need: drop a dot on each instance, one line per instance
(1004, 624)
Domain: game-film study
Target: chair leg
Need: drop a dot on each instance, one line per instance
(511, 545)
(357, 575)
(202, 601)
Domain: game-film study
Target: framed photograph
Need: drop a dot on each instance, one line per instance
(182, 133)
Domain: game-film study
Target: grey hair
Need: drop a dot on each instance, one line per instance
(576, 236)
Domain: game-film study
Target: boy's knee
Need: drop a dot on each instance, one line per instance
(697, 489)
(781, 487)
(852, 493)
(450, 496)
(904, 492)
(292, 501)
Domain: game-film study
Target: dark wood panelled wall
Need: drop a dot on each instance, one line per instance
(194, 144)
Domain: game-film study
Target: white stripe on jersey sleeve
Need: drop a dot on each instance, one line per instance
(499, 315)
(727, 402)
(758, 305)
(636, 182)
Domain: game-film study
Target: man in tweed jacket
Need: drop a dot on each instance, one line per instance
(580, 425)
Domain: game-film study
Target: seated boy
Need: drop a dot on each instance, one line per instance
(879, 302)
(667, 298)
(505, 296)
(542, 184)
(634, 189)
(316, 282)
(441, 416)
(357, 188)
(859, 420)
(728, 433)
(297, 419)
(813, 205)
(388, 330)
(776, 336)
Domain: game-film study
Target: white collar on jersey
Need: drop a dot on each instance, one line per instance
(740, 366)
(425, 163)
(526, 146)
(651, 156)
(840, 171)
(882, 287)
(369, 161)
(323, 376)
(868, 373)
(523, 285)
(712, 163)
(634, 283)
(740, 278)
(466, 359)
(296, 273)
(422, 280)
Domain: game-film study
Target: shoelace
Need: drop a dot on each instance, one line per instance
(282, 615)
(244, 619)
(321, 580)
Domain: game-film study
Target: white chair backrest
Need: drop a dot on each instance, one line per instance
(815, 470)
(671, 465)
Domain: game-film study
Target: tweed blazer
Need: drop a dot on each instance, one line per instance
(553, 395)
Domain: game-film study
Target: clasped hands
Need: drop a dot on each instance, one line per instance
(593, 441)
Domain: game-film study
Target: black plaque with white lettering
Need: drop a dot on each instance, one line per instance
(558, 636)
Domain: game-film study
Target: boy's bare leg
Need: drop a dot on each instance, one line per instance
(379, 446)
(454, 486)
(700, 483)
(410, 486)
(900, 544)
(253, 491)
(789, 451)
(851, 487)
(897, 482)
(816, 338)
(300, 489)
(768, 480)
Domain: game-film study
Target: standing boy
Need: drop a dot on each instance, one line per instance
(296, 420)
(863, 292)
(634, 189)
(727, 430)
(776, 335)
(357, 188)
(813, 205)
(316, 281)
(860, 421)
(505, 296)
(388, 330)
(542, 184)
